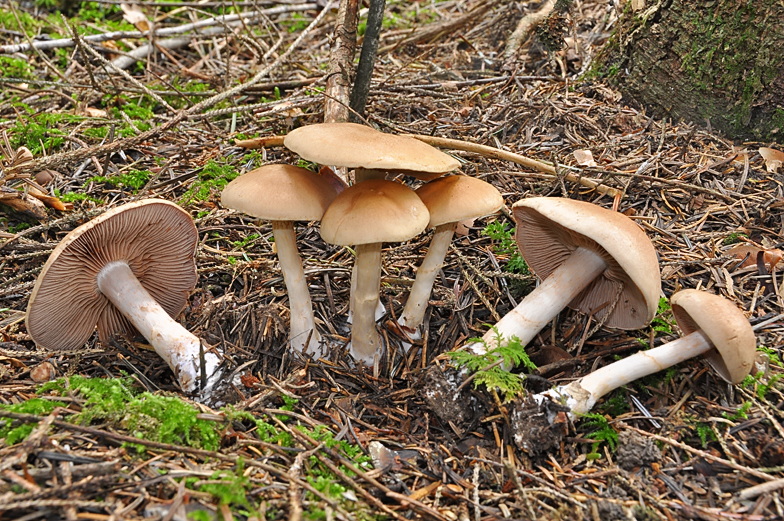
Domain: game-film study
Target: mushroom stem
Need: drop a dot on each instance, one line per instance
(545, 302)
(581, 395)
(302, 322)
(414, 312)
(365, 342)
(175, 344)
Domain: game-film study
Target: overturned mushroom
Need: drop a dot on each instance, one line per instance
(284, 194)
(712, 326)
(130, 269)
(449, 200)
(592, 259)
(366, 215)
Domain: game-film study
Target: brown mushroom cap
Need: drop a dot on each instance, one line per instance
(158, 241)
(359, 146)
(549, 229)
(459, 197)
(374, 211)
(280, 193)
(734, 343)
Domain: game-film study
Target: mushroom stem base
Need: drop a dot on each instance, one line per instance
(545, 302)
(365, 342)
(171, 341)
(581, 395)
(414, 312)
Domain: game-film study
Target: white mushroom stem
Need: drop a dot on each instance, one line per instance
(302, 323)
(365, 342)
(414, 313)
(175, 344)
(581, 395)
(545, 302)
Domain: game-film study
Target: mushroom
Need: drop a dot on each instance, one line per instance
(372, 153)
(284, 194)
(130, 269)
(449, 200)
(592, 259)
(712, 326)
(366, 215)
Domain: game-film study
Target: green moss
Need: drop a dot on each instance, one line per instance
(166, 419)
(133, 179)
(37, 406)
(15, 68)
(212, 178)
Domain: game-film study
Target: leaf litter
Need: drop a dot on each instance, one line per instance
(112, 438)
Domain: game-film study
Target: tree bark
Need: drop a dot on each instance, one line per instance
(341, 63)
(716, 62)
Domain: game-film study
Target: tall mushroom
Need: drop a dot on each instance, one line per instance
(372, 155)
(712, 326)
(366, 215)
(130, 269)
(284, 194)
(589, 258)
(449, 200)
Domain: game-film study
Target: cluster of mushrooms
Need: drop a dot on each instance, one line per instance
(133, 267)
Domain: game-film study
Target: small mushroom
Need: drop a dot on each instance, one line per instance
(449, 200)
(366, 215)
(712, 326)
(284, 194)
(130, 269)
(372, 153)
(592, 259)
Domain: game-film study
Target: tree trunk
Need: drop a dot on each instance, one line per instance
(716, 62)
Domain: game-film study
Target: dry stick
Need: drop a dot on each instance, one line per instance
(168, 31)
(341, 61)
(496, 153)
(367, 57)
(57, 159)
(703, 454)
(524, 28)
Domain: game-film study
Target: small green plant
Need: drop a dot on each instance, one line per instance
(602, 433)
(740, 414)
(733, 238)
(705, 433)
(662, 322)
(773, 355)
(764, 389)
(487, 366)
(505, 245)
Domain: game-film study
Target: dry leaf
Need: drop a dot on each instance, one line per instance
(134, 15)
(773, 159)
(584, 158)
(750, 252)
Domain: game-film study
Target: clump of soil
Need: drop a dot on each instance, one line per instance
(539, 427)
(440, 392)
(635, 450)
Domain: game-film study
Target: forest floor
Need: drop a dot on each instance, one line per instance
(324, 439)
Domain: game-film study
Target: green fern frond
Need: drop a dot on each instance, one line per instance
(486, 366)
